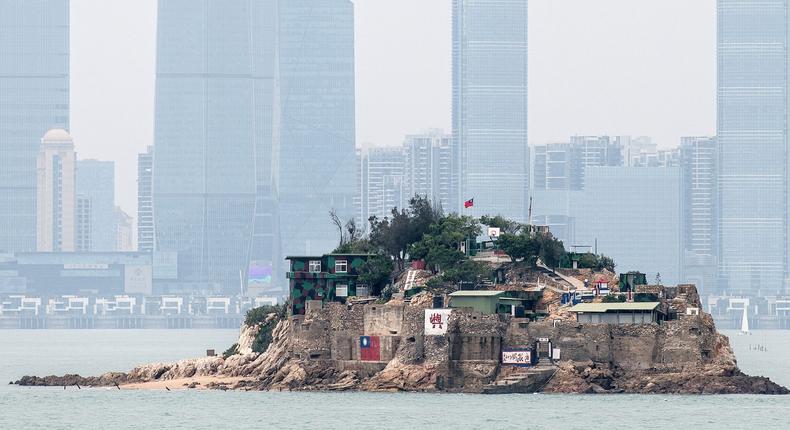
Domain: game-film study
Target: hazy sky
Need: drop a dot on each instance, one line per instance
(640, 67)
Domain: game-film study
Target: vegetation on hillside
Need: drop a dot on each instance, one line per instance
(529, 247)
(596, 262)
(422, 231)
(267, 318)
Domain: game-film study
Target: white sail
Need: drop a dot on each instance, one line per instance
(745, 322)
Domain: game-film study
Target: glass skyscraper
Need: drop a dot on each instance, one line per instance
(315, 123)
(753, 145)
(213, 135)
(634, 215)
(490, 105)
(34, 97)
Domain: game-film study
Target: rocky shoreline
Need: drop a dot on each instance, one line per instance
(283, 368)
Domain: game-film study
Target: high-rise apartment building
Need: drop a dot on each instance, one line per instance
(698, 159)
(56, 193)
(561, 166)
(551, 167)
(83, 230)
(490, 105)
(592, 151)
(96, 182)
(315, 123)
(123, 225)
(145, 202)
(34, 98)
(383, 182)
(429, 168)
(753, 67)
(212, 133)
(637, 150)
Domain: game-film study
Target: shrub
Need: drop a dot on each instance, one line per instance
(261, 317)
(613, 298)
(233, 350)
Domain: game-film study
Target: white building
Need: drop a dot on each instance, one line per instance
(56, 193)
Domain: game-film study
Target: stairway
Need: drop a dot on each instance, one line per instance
(411, 276)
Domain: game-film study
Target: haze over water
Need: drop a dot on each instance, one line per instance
(93, 352)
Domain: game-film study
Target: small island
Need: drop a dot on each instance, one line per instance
(428, 303)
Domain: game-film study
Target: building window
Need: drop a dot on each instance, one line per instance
(341, 266)
(315, 266)
(341, 291)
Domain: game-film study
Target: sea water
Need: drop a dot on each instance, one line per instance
(91, 352)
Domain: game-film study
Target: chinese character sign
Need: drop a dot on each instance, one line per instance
(436, 321)
(517, 358)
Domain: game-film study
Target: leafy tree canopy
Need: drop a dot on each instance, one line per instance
(505, 225)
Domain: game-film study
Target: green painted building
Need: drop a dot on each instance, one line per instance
(329, 278)
(483, 301)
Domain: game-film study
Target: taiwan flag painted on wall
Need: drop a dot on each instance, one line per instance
(369, 348)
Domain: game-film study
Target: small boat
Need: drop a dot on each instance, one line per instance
(745, 322)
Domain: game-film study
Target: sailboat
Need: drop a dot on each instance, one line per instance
(745, 322)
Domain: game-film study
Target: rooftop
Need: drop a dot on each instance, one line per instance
(614, 307)
(318, 257)
(57, 135)
(476, 293)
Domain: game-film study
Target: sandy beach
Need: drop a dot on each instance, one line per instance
(183, 383)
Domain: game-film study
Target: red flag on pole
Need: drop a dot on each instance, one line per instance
(469, 203)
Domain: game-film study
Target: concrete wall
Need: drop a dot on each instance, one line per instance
(638, 346)
(383, 320)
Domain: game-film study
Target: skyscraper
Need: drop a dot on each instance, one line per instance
(634, 215)
(213, 95)
(145, 204)
(315, 123)
(490, 105)
(96, 182)
(382, 179)
(561, 166)
(429, 168)
(34, 98)
(124, 227)
(56, 193)
(83, 230)
(592, 151)
(753, 145)
(699, 163)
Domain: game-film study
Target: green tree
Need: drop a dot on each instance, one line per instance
(605, 263)
(551, 250)
(597, 262)
(376, 273)
(505, 225)
(440, 247)
(394, 235)
(588, 261)
(520, 247)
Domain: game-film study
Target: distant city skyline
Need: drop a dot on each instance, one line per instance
(585, 77)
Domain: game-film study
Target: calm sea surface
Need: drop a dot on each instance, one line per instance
(94, 352)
